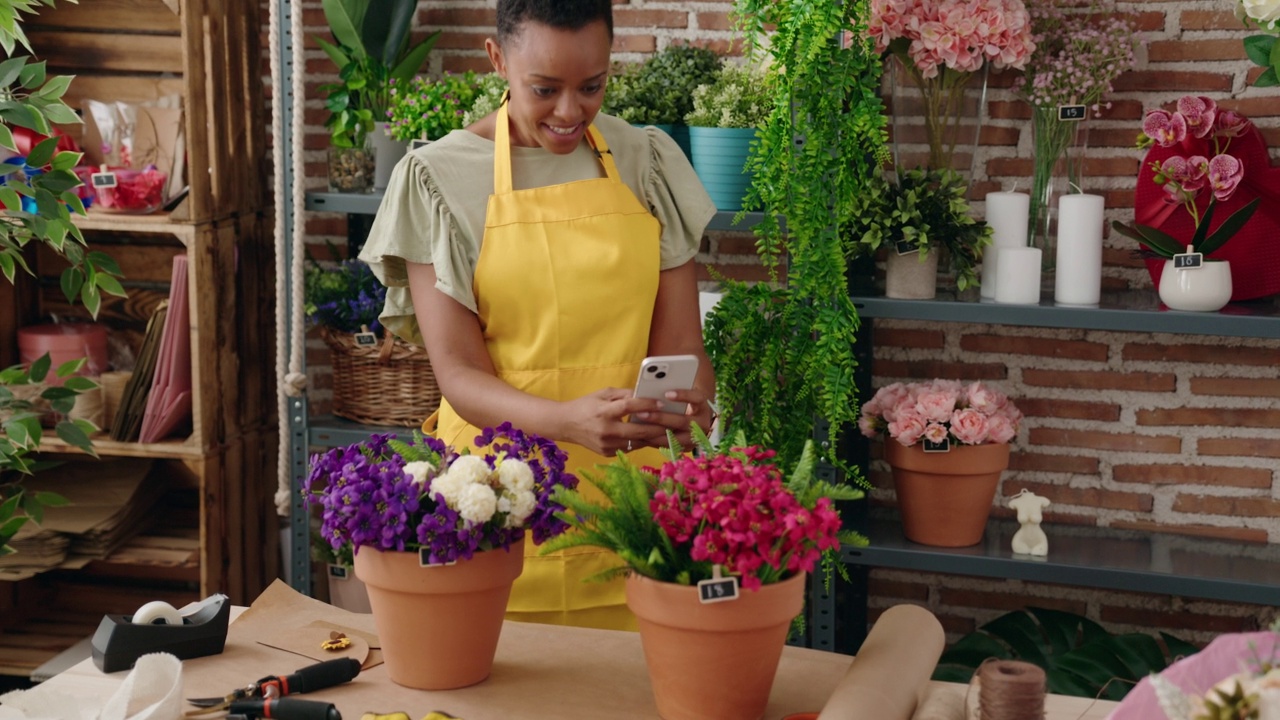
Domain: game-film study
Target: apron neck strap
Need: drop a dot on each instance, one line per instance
(502, 182)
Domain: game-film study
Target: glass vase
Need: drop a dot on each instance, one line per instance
(936, 121)
(1058, 168)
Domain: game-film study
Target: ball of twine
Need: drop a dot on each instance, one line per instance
(1010, 690)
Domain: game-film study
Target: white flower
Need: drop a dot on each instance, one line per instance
(477, 503)
(462, 473)
(419, 471)
(515, 475)
(522, 506)
(1264, 11)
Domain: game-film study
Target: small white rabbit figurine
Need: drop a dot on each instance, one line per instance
(1030, 539)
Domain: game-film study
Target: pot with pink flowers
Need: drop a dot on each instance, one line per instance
(947, 444)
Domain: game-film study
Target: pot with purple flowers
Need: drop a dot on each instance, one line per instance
(438, 538)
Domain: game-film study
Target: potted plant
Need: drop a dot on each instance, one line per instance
(915, 217)
(372, 49)
(727, 114)
(947, 444)
(659, 92)
(378, 378)
(716, 547)
(35, 103)
(438, 538)
(1198, 158)
(430, 109)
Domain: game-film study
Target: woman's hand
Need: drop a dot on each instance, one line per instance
(698, 411)
(597, 422)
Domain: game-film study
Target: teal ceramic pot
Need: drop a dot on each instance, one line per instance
(718, 156)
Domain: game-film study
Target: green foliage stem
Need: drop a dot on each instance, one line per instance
(783, 351)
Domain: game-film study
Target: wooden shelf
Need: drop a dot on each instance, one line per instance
(167, 450)
(154, 223)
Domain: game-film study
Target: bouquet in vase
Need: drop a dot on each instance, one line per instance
(941, 411)
(1079, 52)
(941, 45)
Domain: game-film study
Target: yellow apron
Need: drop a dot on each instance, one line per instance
(565, 285)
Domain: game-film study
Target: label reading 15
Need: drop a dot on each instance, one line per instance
(1072, 112)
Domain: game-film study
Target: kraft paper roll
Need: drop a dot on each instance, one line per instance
(113, 385)
(892, 670)
(941, 703)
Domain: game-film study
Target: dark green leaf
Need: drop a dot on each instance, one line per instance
(18, 434)
(58, 393)
(66, 160)
(109, 285)
(413, 60)
(91, 299)
(51, 499)
(1140, 653)
(104, 262)
(11, 70)
(1061, 629)
(32, 75)
(40, 368)
(340, 59)
(972, 650)
(60, 113)
(1020, 633)
(33, 509)
(79, 384)
(70, 367)
(18, 114)
(1203, 228)
(10, 198)
(1178, 648)
(1159, 241)
(385, 31)
(1229, 227)
(1259, 48)
(72, 279)
(73, 435)
(10, 506)
(345, 18)
(6, 138)
(1269, 78)
(55, 87)
(11, 527)
(42, 153)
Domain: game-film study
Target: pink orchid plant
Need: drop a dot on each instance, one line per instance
(941, 411)
(1203, 171)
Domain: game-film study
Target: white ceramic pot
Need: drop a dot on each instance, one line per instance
(1203, 289)
(388, 152)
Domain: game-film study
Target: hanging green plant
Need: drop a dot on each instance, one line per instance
(1078, 655)
(783, 350)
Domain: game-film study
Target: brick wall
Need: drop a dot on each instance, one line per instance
(1127, 430)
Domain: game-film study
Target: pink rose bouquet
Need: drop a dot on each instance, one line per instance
(941, 44)
(1196, 174)
(731, 509)
(941, 411)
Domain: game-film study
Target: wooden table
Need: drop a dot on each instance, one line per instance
(541, 671)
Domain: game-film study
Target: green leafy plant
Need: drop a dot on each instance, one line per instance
(1078, 655)
(11, 34)
(784, 350)
(372, 49)
(490, 89)
(345, 297)
(431, 109)
(738, 98)
(926, 209)
(660, 90)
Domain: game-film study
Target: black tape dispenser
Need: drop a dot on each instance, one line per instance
(157, 627)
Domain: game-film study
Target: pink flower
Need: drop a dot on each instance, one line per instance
(1229, 124)
(1225, 173)
(935, 433)
(1000, 429)
(970, 426)
(907, 429)
(1199, 113)
(936, 405)
(984, 399)
(1165, 128)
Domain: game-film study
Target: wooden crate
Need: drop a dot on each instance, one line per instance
(204, 50)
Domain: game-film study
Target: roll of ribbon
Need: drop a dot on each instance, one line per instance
(892, 668)
(1010, 690)
(157, 611)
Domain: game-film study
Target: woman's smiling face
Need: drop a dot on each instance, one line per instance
(557, 79)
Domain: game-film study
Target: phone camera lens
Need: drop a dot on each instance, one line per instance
(651, 369)
(661, 375)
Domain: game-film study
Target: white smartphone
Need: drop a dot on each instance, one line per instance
(661, 373)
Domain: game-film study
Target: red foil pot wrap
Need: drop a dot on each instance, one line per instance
(136, 191)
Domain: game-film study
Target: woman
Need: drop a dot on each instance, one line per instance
(546, 251)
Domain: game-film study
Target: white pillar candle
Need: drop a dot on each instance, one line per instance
(1079, 267)
(1007, 214)
(1018, 276)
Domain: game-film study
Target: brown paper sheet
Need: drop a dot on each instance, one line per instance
(308, 642)
(941, 702)
(892, 669)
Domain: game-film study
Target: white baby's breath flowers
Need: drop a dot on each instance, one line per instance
(419, 470)
(515, 475)
(463, 472)
(477, 503)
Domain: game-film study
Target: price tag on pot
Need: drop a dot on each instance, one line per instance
(424, 559)
(1188, 261)
(339, 572)
(718, 588)
(102, 180)
(416, 143)
(1072, 113)
(937, 447)
(906, 247)
(366, 339)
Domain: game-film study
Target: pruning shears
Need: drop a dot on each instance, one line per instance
(266, 698)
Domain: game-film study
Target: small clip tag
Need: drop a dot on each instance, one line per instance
(103, 180)
(339, 572)
(1188, 261)
(424, 559)
(416, 143)
(1072, 113)
(906, 247)
(366, 339)
(718, 589)
(939, 447)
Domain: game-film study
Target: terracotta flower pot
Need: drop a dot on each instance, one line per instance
(945, 498)
(439, 626)
(714, 661)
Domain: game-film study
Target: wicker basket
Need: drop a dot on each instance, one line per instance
(388, 383)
